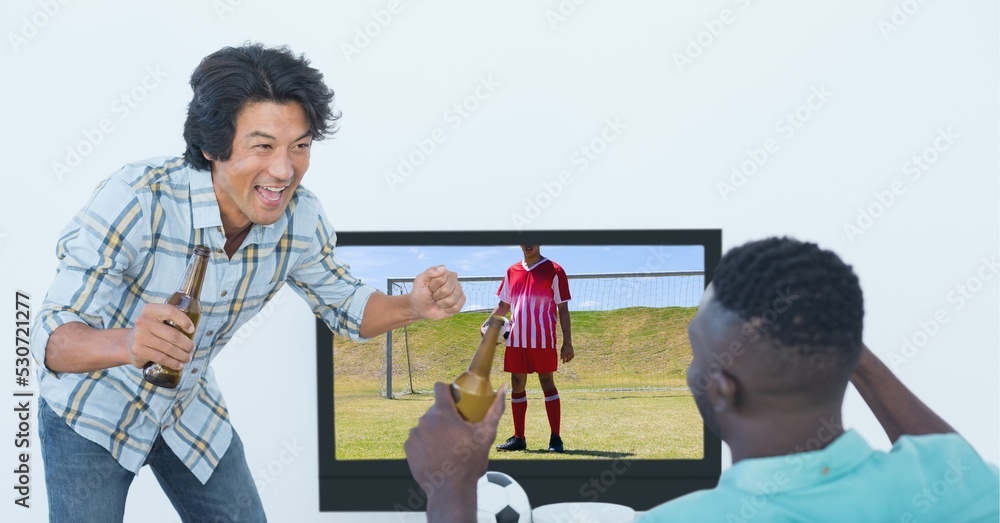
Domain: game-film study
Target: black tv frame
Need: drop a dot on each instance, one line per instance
(386, 485)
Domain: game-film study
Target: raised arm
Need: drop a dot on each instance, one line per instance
(898, 410)
(437, 294)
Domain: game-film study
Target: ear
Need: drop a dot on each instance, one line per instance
(207, 156)
(724, 392)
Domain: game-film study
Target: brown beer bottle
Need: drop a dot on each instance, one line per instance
(472, 390)
(187, 299)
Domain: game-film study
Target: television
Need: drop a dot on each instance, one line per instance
(632, 432)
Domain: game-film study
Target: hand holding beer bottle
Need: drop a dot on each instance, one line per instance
(472, 390)
(161, 339)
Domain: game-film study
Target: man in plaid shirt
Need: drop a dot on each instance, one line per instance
(250, 125)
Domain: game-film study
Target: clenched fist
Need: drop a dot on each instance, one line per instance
(437, 294)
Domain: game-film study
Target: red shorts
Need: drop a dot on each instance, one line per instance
(528, 361)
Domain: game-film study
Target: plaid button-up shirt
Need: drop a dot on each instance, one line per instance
(129, 246)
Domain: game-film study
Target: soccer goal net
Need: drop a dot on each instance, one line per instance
(629, 333)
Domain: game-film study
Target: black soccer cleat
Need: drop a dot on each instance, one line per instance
(555, 444)
(513, 443)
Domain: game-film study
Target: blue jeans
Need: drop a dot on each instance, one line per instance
(85, 483)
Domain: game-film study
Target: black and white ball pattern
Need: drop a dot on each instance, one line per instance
(504, 330)
(501, 500)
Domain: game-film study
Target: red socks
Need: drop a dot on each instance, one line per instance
(518, 407)
(552, 409)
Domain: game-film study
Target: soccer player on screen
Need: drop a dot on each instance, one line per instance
(535, 290)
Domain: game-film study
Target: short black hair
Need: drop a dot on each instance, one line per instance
(822, 325)
(230, 78)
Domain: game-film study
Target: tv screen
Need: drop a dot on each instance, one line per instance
(631, 430)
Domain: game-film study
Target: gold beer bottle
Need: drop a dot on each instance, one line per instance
(472, 390)
(187, 299)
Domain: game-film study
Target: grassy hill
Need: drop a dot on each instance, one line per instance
(627, 348)
(632, 348)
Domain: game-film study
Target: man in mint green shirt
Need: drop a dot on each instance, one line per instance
(776, 340)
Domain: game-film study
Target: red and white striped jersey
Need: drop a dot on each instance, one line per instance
(533, 293)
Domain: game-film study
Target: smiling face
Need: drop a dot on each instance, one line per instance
(270, 154)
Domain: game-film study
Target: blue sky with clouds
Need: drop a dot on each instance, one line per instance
(374, 264)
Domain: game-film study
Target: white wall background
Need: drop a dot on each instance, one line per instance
(897, 72)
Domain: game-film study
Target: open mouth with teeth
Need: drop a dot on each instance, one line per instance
(270, 195)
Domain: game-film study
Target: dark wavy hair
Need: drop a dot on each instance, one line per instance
(820, 332)
(230, 78)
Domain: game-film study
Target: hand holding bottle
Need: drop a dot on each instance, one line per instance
(187, 302)
(472, 391)
(153, 340)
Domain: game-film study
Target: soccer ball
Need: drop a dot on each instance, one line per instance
(504, 331)
(501, 500)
